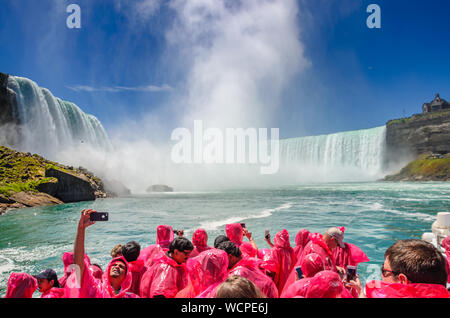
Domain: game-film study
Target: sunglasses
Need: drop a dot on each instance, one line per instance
(385, 272)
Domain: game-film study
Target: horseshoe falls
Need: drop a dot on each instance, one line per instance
(48, 125)
(346, 156)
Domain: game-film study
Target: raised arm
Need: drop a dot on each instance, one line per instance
(78, 249)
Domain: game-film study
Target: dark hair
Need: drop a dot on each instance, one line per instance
(131, 250)
(230, 248)
(98, 266)
(180, 243)
(238, 287)
(419, 261)
(220, 239)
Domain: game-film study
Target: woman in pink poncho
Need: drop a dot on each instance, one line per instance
(21, 285)
(200, 241)
(205, 273)
(281, 259)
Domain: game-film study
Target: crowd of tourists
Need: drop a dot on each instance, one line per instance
(319, 266)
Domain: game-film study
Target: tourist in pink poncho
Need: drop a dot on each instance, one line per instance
(200, 241)
(235, 233)
(301, 239)
(327, 284)
(248, 268)
(205, 273)
(281, 259)
(167, 276)
(48, 284)
(446, 245)
(296, 286)
(21, 285)
(350, 254)
(116, 280)
(411, 269)
(324, 245)
(164, 235)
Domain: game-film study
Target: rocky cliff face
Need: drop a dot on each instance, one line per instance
(425, 133)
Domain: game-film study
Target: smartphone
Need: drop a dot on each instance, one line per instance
(243, 225)
(99, 216)
(267, 234)
(299, 272)
(351, 272)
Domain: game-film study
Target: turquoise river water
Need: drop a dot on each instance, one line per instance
(375, 215)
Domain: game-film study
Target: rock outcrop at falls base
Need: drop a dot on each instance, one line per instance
(424, 141)
(28, 180)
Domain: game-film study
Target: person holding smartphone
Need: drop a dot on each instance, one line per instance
(117, 278)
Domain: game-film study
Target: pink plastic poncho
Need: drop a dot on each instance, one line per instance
(380, 289)
(318, 246)
(301, 239)
(350, 255)
(327, 284)
(164, 278)
(67, 259)
(248, 250)
(53, 293)
(151, 253)
(200, 241)
(206, 272)
(91, 287)
(235, 233)
(248, 268)
(21, 285)
(96, 272)
(281, 259)
(164, 236)
(138, 270)
(310, 265)
(297, 289)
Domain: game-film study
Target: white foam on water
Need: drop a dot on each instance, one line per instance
(214, 225)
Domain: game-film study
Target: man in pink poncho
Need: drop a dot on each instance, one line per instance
(200, 241)
(206, 272)
(21, 285)
(411, 269)
(167, 276)
(281, 260)
(248, 267)
(116, 280)
(131, 252)
(324, 246)
(350, 254)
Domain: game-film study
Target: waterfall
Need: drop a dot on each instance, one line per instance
(348, 155)
(48, 124)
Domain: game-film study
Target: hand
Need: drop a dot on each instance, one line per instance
(356, 285)
(180, 232)
(85, 219)
(342, 272)
(247, 234)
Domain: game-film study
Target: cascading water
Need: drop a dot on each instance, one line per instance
(353, 155)
(48, 124)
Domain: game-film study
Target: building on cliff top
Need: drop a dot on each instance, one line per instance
(436, 105)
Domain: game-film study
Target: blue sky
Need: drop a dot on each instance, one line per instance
(121, 64)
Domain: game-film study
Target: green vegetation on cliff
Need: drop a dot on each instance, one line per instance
(418, 117)
(425, 168)
(24, 172)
